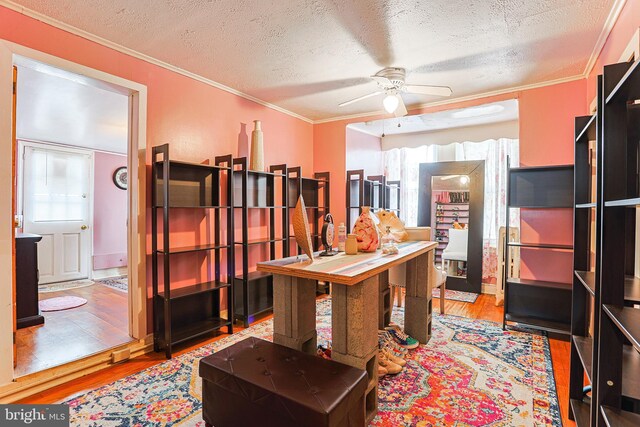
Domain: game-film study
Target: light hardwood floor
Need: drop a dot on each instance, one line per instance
(68, 335)
(483, 308)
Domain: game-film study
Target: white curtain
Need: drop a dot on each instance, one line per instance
(403, 164)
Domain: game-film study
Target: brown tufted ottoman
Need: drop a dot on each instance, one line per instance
(259, 383)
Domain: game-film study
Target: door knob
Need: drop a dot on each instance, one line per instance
(83, 227)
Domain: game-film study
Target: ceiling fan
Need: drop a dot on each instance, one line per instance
(391, 81)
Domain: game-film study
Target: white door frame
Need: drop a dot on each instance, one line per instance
(22, 145)
(136, 162)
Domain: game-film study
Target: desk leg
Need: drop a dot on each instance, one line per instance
(417, 315)
(294, 313)
(385, 301)
(354, 323)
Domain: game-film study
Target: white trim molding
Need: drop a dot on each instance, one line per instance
(10, 53)
(609, 23)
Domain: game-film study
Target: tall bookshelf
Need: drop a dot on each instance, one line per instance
(316, 195)
(183, 190)
(258, 193)
(373, 191)
(538, 304)
(617, 382)
(586, 278)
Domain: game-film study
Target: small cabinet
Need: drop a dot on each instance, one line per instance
(27, 310)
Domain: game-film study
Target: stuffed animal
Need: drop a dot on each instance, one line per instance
(395, 224)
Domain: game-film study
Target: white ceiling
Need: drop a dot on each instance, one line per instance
(65, 108)
(496, 112)
(309, 55)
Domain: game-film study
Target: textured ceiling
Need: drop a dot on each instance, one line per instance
(309, 55)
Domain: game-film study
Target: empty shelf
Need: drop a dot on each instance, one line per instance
(588, 279)
(584, 347)
(586, 205)
(544, 325)
(628, 321)
(589, 129)
(541, 245)
(629, 203)
(196, 329)
(581, 412)
(617, 418)
(194, 289)
(540, 283)
(195, 248)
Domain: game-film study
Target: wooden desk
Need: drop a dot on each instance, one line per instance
(357, 282)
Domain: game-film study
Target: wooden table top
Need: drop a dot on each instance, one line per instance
(345, 269)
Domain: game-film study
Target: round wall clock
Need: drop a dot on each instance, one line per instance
(120, 178)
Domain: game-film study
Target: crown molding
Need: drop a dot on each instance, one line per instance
(609, 23)
(122, 49)
(506, 91)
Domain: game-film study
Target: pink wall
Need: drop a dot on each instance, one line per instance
(198, 120)
(364, 151)
(109, 213)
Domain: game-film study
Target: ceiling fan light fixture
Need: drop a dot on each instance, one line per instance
(390, 103)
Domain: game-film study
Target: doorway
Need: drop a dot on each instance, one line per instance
(64, 220)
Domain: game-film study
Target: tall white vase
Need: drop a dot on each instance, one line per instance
(256, 161)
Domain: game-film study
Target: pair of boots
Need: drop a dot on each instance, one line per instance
(393, 345)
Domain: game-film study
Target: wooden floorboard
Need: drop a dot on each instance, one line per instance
(68, 335)
(484, 308)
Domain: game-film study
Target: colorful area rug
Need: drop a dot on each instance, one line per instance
(456, 295)
(118, 283)
(61, 303)
(64, 286)
(471, 373)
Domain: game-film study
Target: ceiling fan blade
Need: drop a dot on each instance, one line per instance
(360, 98)
(402, 109)
(383, 81)
(428, 90)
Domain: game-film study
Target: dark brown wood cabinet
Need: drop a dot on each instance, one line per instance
(27, 310)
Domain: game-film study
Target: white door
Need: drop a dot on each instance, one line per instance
(56, 206)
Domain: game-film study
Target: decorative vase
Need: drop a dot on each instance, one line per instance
(366, 231)
(256, 161)
(301, 228)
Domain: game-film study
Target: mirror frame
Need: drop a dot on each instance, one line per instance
(475, 170)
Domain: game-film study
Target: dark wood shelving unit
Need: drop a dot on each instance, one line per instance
(316, 195)
(586, 283)
(617, 370)
(258, 191)
(183, 313)
(538, 304)
(374, 191)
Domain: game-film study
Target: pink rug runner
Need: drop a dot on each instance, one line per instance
(61, 303)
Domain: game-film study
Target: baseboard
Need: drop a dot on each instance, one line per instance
(37, 382)
(489, 288)
(108, 273)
